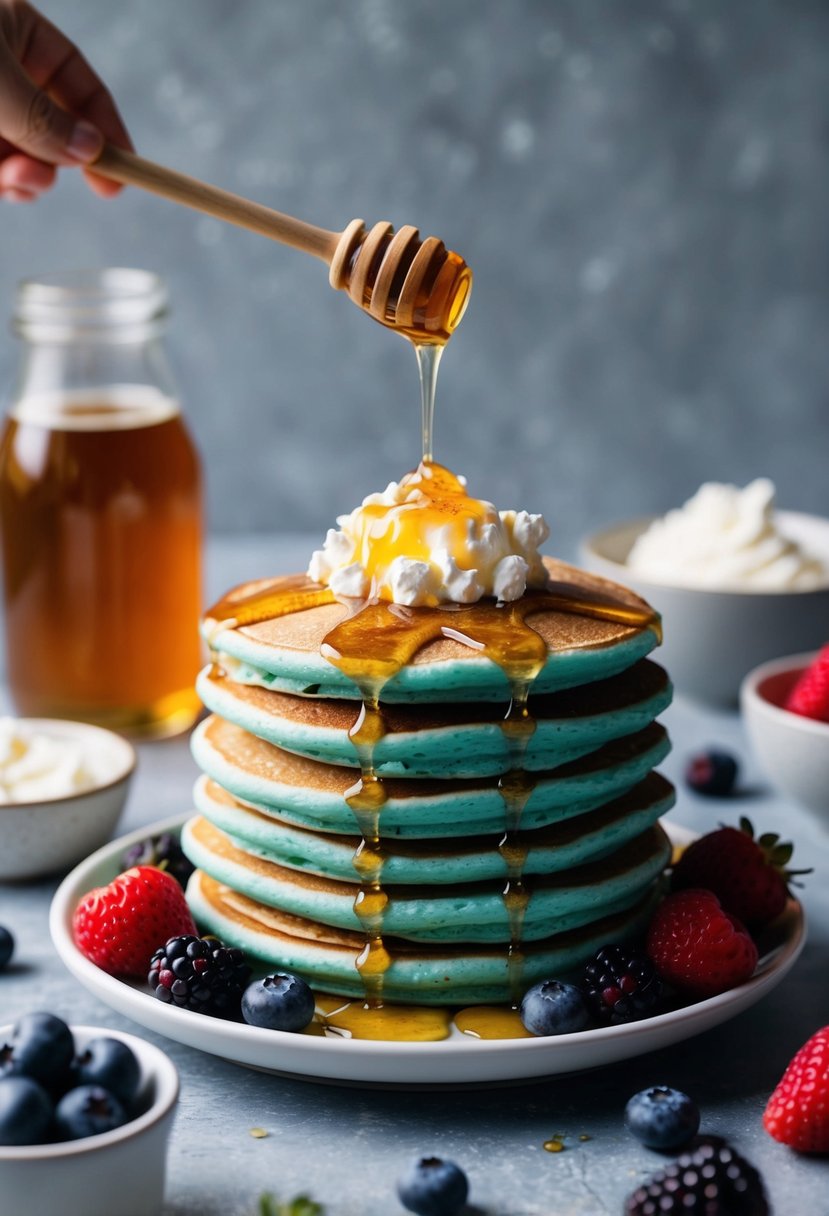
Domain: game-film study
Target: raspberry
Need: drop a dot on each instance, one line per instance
(797, 1113)
(810, 695)
(200, 974)
(699, 947)
(712, 1180)
(621, 985)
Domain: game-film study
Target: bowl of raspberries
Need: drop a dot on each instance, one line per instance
(785, 704)
(85, 1116)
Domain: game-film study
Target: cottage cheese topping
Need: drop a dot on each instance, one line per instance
(425, 541)
(34, 767)
(726, 537)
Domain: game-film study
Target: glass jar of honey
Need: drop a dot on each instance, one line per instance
(100, 510)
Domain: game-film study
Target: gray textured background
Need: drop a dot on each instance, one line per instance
(641, 188)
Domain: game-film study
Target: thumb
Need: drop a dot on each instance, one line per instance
(31, 121)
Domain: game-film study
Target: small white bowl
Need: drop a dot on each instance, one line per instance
(792, 750)
(40, 838)
(119, 1173)
(714, 638)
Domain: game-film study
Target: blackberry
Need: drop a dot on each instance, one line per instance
(201, 974)
(163, 851)
(712, 1180)
(621, 985)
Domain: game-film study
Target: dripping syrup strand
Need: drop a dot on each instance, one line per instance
(428, 361)
(515, 787)
(366, 799)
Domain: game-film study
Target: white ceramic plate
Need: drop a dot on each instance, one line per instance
(459, 1060)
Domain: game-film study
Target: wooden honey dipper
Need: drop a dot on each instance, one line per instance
(417, 287)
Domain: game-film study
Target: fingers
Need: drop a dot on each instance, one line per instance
(55, 110)
(32, 123)
(57, 66)
(23, 179)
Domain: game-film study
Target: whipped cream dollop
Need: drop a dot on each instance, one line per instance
(726, 537)
(35, 766)
(425, 541)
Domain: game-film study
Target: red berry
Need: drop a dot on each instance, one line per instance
(797, 1113)
(810, 695)
(746, 875)
(697, 946)
(120, 926)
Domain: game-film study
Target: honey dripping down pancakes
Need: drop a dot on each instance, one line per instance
(428, 773)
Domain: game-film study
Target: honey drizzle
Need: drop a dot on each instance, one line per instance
(296, 593)
(370, 646)
(366, 799)
(515, 787)
(428, 361)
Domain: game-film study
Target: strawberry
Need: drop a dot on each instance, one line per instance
(697, 946)
(810, 694)
(120, 926)
(797, 1113)
(747, 875)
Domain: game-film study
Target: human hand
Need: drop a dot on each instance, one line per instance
(54, 109)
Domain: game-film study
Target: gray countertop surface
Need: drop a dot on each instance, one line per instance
(346, 1146)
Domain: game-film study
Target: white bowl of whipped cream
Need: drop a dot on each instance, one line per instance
(63, 786)
(737, 583)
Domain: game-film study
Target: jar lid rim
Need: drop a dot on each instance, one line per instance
(89, 300)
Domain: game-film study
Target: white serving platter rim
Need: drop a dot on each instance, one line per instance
(457, 1061)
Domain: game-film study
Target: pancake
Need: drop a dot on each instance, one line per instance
(284, 653)
(311, 794)
(462, 912)
(438, 805)
(418, 974)
(448, 861)
(446, 740)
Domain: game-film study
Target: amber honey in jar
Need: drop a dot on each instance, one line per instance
(100, 510)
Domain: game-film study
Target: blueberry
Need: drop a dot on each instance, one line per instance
(87, 1110)
(6, 947)
(278, 1002)
(662, 1118)
(713, 773)
(110, 1064)
(553, 1007)
(25, 1111)
(433, 1187)
(41, 1047)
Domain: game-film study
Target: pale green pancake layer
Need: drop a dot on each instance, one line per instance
(285, 653)
(425, 975)
(311, 795)
(459, 913)
(474, 679)
(449, 861)
(456, 748)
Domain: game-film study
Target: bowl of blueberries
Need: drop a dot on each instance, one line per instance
(85, 1116)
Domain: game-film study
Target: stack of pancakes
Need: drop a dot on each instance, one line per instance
(276, 838)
